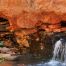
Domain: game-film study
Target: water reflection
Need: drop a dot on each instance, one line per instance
(35, 63)
(51, 63)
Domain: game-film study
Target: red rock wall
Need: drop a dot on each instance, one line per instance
(31, 13)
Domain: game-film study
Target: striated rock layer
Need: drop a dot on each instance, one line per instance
(32, 13)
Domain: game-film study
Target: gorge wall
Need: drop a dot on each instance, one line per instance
(31, 13)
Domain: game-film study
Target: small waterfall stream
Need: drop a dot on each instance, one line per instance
(59, 54)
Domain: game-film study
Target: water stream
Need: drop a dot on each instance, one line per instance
(59, 54)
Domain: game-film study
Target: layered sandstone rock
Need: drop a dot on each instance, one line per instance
(32, 13)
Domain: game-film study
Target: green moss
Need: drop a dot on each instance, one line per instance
(2, 59)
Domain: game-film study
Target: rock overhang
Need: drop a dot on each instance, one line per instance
(23, 15)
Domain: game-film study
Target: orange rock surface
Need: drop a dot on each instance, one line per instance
(32, 13)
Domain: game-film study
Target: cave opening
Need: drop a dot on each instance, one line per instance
(4, 23)
(63, 23)
(3, 19)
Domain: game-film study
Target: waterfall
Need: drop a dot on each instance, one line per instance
(59, 55)
(59, 52)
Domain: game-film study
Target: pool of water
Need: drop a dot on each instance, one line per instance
(16, 63)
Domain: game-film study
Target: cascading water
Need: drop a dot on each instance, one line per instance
(59, 54)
